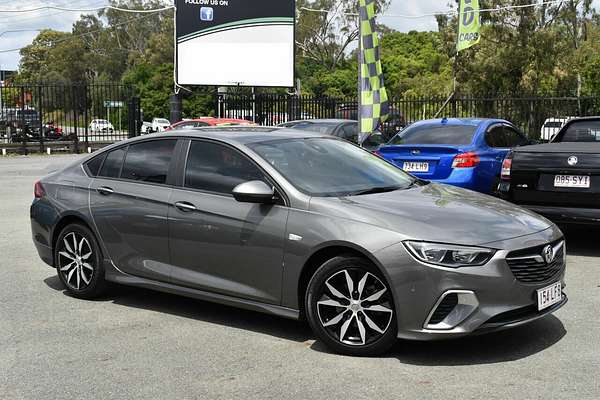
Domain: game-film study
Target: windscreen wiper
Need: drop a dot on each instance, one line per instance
(377, 189)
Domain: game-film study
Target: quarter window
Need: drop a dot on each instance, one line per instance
(216, 168)
(112, 164)
(149, 161)
(93, 166)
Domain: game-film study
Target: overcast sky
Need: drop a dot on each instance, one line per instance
(63, 20)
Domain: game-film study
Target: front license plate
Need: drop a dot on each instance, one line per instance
(572, 181)
(411, 166)
(549, 295)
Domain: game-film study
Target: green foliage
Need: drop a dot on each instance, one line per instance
(546, 49)
(154, 86)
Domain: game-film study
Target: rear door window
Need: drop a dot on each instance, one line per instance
(582, 131)
(495, 137)
(513, 138)
(435, 134)
(111, 168)
(350, 132)
(149, 161)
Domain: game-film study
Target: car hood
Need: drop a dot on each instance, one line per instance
(566, 147)
(438, 213)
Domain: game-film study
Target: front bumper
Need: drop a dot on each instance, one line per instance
(501, 300)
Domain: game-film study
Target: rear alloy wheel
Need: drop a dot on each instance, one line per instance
(350, 307)
(78, 262)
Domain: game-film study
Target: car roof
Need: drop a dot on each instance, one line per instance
(457, 121)
(237, 134)
(213, 120)
(325, 121)
(593, 118)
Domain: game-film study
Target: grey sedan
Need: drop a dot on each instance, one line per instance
(342, 128)
(300, 225)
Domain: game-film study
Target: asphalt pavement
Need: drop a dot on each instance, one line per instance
(138, 344)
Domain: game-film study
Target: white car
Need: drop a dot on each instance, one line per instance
(160, 124)
(101, 125)
(551, 127)
(146, 128)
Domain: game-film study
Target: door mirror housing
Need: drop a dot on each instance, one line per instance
(254, 192)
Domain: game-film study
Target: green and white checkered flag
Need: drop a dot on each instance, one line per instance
(374, 101)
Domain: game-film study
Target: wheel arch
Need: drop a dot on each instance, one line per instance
(66, 219)
(327, 252)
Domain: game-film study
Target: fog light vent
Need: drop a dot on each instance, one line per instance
(452, 308)
(444, 308)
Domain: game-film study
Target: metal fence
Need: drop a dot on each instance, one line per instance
(528, 111)
(72, 117)
(75, 117)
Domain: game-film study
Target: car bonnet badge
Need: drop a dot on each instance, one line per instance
(572, 160)
(548, 254)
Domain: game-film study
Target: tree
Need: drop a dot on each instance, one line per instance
(324, 36)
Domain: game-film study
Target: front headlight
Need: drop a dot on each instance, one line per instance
(449, 255)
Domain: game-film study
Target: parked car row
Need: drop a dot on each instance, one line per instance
(378, 243)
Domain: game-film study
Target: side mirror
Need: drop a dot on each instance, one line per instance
(254, 192)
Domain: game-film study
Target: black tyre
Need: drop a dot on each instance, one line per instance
(350, 308)
(78, 262)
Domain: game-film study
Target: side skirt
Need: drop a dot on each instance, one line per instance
(114, 275)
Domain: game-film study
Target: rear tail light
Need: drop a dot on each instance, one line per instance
(506, 167)
(38, 190)
(465, 160)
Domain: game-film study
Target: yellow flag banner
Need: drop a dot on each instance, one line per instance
(468, 24)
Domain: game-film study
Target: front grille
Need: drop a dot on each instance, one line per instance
(529, 266)
(444, 308)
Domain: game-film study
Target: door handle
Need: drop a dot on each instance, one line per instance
(105, 190)
(185, 206)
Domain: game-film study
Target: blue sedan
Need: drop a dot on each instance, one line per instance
(460, 152)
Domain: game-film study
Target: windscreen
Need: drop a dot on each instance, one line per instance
(331, 167)
(435, 134)
(582, 131)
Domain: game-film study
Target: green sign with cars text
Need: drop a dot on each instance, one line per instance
(468, 24)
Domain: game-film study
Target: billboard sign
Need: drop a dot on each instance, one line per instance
(235, 42)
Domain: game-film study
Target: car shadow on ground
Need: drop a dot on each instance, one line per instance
(582, 240)
(214, 313)
(508, 345)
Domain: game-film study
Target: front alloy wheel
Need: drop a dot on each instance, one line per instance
(350, 307)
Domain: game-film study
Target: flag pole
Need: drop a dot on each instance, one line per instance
(359, 87)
